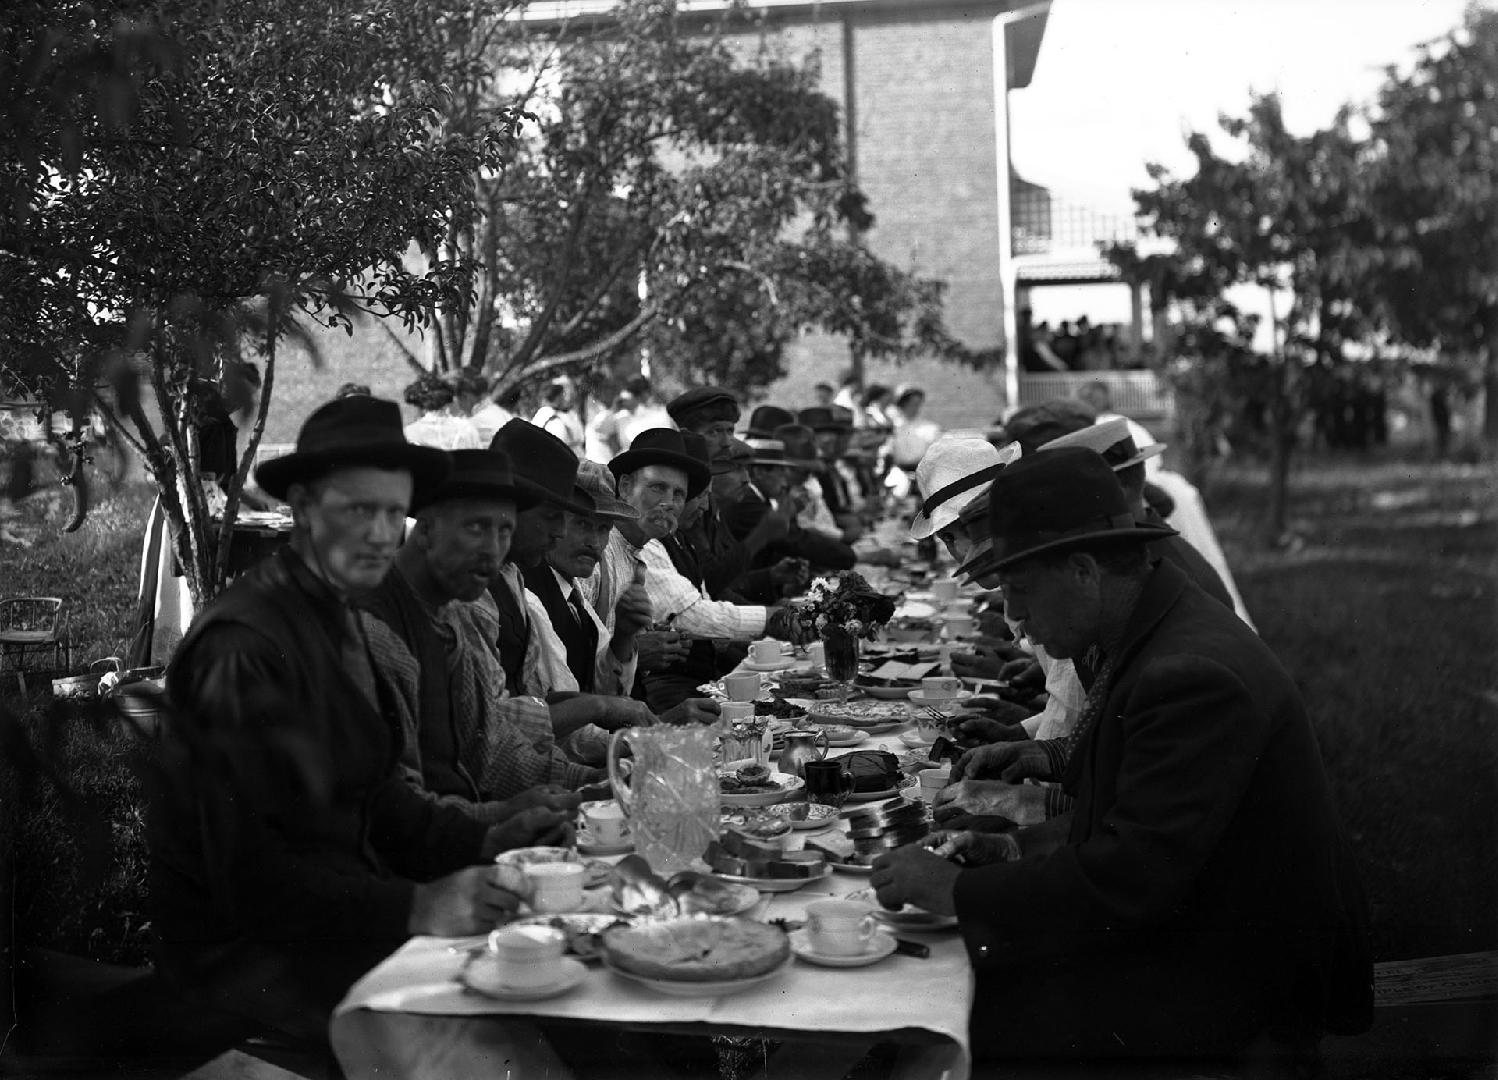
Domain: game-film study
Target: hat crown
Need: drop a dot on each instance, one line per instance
(350, 422)
(667, 447)
(766, 418)
(1052, 495)
(538, 456)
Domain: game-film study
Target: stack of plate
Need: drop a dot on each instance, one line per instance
(886, 826)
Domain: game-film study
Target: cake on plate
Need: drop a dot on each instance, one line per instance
(697, 950)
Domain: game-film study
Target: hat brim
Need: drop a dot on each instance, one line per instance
(427, 465)
(1144, 454)
(994, 559)
(699, 476)
(922, 526)
(542, 494)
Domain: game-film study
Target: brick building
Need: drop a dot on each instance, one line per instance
(923, 85)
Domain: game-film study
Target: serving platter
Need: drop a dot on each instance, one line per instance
(860, 714)
(775, 885)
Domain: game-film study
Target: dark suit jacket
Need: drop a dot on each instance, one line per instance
(1205, 882)
(822, 552)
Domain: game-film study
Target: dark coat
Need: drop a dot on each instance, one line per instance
(1205, 892)
(822, 552)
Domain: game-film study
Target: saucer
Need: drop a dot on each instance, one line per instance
(586, 845)
(880, 946)
(779, 665)
(484, 979)
(919, 697)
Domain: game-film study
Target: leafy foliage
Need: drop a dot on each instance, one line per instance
(226, 168)
(672, 196)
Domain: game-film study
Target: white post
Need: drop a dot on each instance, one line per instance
(1007, 275)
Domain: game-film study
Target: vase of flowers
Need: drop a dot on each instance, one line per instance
(841, 610)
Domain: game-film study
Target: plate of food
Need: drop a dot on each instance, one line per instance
(520, 858)
(860, 714)
(908, 917)
(755, 785)
(842, 735)
(815, 872)
(701, 957)
(805, 816)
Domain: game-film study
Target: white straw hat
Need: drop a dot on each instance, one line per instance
(953, 473)
(1111, 439)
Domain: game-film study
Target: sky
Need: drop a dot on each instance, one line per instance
(1119, 82)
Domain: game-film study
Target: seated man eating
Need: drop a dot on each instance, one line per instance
(1201, 900)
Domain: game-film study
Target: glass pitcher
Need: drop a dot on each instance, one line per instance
(669, 791)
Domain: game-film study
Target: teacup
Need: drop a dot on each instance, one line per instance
(816, 655)
(555, 887)
(605, 820)
(940, 687)
(527, 956)
(933, 780)
(840, 927)
(766, 652)
(731, 711)
(944, 589)
(742, 686)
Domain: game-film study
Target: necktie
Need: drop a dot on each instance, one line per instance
(578, 612)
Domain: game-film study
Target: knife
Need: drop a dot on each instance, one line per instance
(903, 946)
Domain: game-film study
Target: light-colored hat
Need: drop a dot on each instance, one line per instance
(767, 452)
(1111, 439)
(597, 483)
(953, 473)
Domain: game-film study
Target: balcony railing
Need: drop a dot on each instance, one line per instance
(1135, 393)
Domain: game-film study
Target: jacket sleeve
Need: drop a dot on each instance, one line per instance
(1192, 739)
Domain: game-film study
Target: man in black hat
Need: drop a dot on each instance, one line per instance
(832, 429)
(808, 474)
(1202, 898)
(657, 475)
(765, 419)
(288, 852)
(771, 491)
(726, 562)
(547, 469)
(474, 744)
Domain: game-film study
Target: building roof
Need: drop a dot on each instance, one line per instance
(1022, 36)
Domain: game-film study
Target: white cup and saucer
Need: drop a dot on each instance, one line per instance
(767, 654)
(524, 963)
(605, 829)
(841, 933)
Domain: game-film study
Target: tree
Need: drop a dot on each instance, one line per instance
(1435, 134)
(244, 165)
(671, 197)
(1289, 215)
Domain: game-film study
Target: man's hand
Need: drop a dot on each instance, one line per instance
(791, 575)
(633, 612)
(1023, 804)
(692, 711)
(913, 875)
(1010, 762)
(659, 649)
(982, 730)
(982, 663)
(781, 623)
(974, 848)
(1023, 672)
(538, 826)
(468, 902)
(625, 712)
(544, 796)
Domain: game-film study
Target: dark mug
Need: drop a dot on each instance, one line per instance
(827, 782)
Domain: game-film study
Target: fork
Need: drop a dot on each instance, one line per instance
(936, 714)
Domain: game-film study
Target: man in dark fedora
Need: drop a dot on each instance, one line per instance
(1201, 899)
(774, 489)
(579, 649)
(809, 474)
(657, 475)
(832, 429)
(765, 419)
(288, 852)
(474, 745)
(545, 468)
(727, 562)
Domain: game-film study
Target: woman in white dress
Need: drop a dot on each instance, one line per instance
(439, 424)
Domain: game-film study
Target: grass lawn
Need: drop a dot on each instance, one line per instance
(1384, 613)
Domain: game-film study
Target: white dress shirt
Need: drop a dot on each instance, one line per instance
(673, 599)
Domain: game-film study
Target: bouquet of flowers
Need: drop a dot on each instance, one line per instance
(844, 602)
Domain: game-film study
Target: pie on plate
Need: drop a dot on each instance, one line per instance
(697, 951)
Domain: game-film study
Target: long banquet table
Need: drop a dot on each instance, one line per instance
(410, 1017)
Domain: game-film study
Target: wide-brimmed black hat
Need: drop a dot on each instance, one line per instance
(823, 418)
(766, 418)
(702, 405)
(354, 431)
(1053, 500)
(543, 464)
(480, 474)
(664, 446)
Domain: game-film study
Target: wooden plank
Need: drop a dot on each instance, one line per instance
(1460, 977)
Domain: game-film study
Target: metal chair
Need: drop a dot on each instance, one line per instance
(34, 625)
